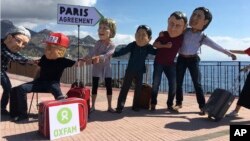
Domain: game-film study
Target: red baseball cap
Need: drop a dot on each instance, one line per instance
(58, 39)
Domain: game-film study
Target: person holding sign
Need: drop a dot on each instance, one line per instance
(245, 93)
(100, 57)
(51, 66)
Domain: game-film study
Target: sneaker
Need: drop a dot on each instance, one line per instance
(233, 114)
(60, 97)
(172, 110)
(177, 107)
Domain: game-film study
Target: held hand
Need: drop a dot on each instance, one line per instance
(168, 45)
(95, 59)
(245, 69)
(36, 62)
(82, 59)
(157, 44)
(233, 57)
(33, 62)
(80, 62)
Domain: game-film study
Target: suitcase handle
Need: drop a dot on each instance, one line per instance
(76, 84)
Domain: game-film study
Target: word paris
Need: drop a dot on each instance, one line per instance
(78, 15)
(74, 11)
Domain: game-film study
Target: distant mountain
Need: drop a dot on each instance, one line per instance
(35, 47)
(88, 40)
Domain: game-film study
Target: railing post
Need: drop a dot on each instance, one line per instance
(147, 70)
(239, 77)
(118, 81)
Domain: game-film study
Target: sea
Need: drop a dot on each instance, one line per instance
(215, 74)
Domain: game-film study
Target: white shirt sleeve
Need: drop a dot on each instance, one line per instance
(209, 42)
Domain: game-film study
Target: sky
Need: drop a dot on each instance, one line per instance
(229, 28)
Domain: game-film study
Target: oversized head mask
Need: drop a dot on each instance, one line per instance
(57, 44)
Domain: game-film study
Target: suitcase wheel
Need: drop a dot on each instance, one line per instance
(214, 118)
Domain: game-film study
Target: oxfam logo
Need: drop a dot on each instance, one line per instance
(64, 115)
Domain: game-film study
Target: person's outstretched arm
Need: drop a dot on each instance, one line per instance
(238, 51)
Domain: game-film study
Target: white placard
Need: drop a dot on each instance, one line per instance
(77, 15)
(64, 120)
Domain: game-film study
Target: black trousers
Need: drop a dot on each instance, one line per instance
(108, 85)
(244, 97)
(129, 77)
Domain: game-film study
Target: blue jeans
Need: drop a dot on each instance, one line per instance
(6, 85)
(170, 72)
(34, 86)
(192, 64)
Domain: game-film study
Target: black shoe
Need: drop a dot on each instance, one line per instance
(152, 108)
(20, 118)
(60, 97)
(172, 110)
(202, 113)
(135, 109)
(4, 112)
(118, 110)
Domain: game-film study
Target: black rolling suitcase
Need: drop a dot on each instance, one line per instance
(220, 101)
(218, 104)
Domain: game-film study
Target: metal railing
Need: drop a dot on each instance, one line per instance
(215, 74)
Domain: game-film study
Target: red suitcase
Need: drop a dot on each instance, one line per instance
(43, 115)
(79, 92)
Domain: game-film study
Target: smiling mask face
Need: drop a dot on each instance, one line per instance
(141, 37)
(16, 42)
(175, 26)
(197, 20)
(54, 52)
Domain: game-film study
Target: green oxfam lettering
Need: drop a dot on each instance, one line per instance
(64, 115)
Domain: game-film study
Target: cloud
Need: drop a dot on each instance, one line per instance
(123, 39)
(36, 11)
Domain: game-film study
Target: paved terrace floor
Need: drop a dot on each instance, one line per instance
(129, 125)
